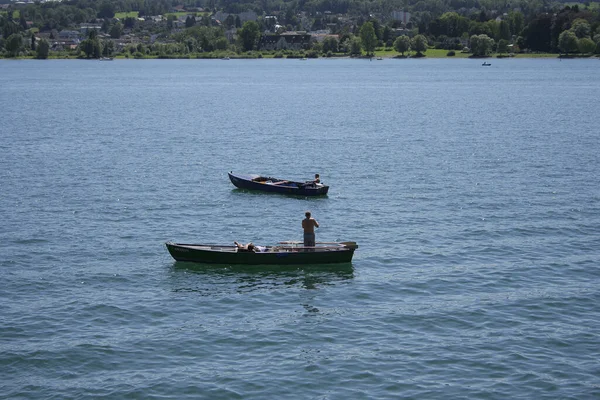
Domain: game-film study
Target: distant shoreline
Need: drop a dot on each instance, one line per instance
(378, 54)
(376, 57)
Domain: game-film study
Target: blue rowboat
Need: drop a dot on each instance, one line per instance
(275, 185)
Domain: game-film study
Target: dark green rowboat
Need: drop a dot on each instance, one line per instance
(284, 254)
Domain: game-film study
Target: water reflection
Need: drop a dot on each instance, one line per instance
(210, 279)
(245, 192)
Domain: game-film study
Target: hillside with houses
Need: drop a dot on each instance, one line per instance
(326, 28)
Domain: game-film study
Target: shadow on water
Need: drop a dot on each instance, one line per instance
(238, 191)
(205, 278)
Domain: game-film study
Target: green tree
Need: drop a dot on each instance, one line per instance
(91, 48)
(116, 30)
(386, 35)
(355, 46)
(43, 50)
(479, 28)
(316, 48)
(538, 34)
(402, 44)
(205, 37)
(368, 38)
(190, 21)
(581, 28)
(567, 42)
(10, 28)
(561, 21)
(482, 16)
(586, 45)
(106, 10)
(249, 35)
(481, 45)
(502, 46)
(419, 44)
(492, 28)
(230, 21)
(330, 44)
(23, 22)
(452, 25)
(108, 48)
(504, 31)
(516, 21)
(14, 44)
(191, 44)
(221, 43)
(376, 28)
(129, 23)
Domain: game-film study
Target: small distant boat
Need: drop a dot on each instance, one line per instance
(276, 185)
(105, 59)
(286, 253)
(225, 58)
(380, 58)
(303, 59)
(486, 64)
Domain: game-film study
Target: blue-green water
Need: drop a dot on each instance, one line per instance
(472, 192)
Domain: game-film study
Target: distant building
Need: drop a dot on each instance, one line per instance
(220, 15)
(61, 45)
(286, 41)
(402, 16)
(63, 35)
(320, 36)
(85, 28)
(401, 32)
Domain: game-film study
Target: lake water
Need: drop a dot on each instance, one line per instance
(473, 193)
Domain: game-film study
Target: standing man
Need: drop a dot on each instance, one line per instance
(309, 224)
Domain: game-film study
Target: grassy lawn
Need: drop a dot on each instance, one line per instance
(440, 53)
(536, 55)
(123, 15)
(430, 53)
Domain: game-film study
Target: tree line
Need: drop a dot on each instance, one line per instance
(360, 26)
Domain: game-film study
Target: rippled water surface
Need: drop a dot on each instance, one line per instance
(472, 192)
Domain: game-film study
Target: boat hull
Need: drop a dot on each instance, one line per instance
(274, 185)
(216, 254)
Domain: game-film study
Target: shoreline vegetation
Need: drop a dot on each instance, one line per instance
(378, 55)
(178, 29)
